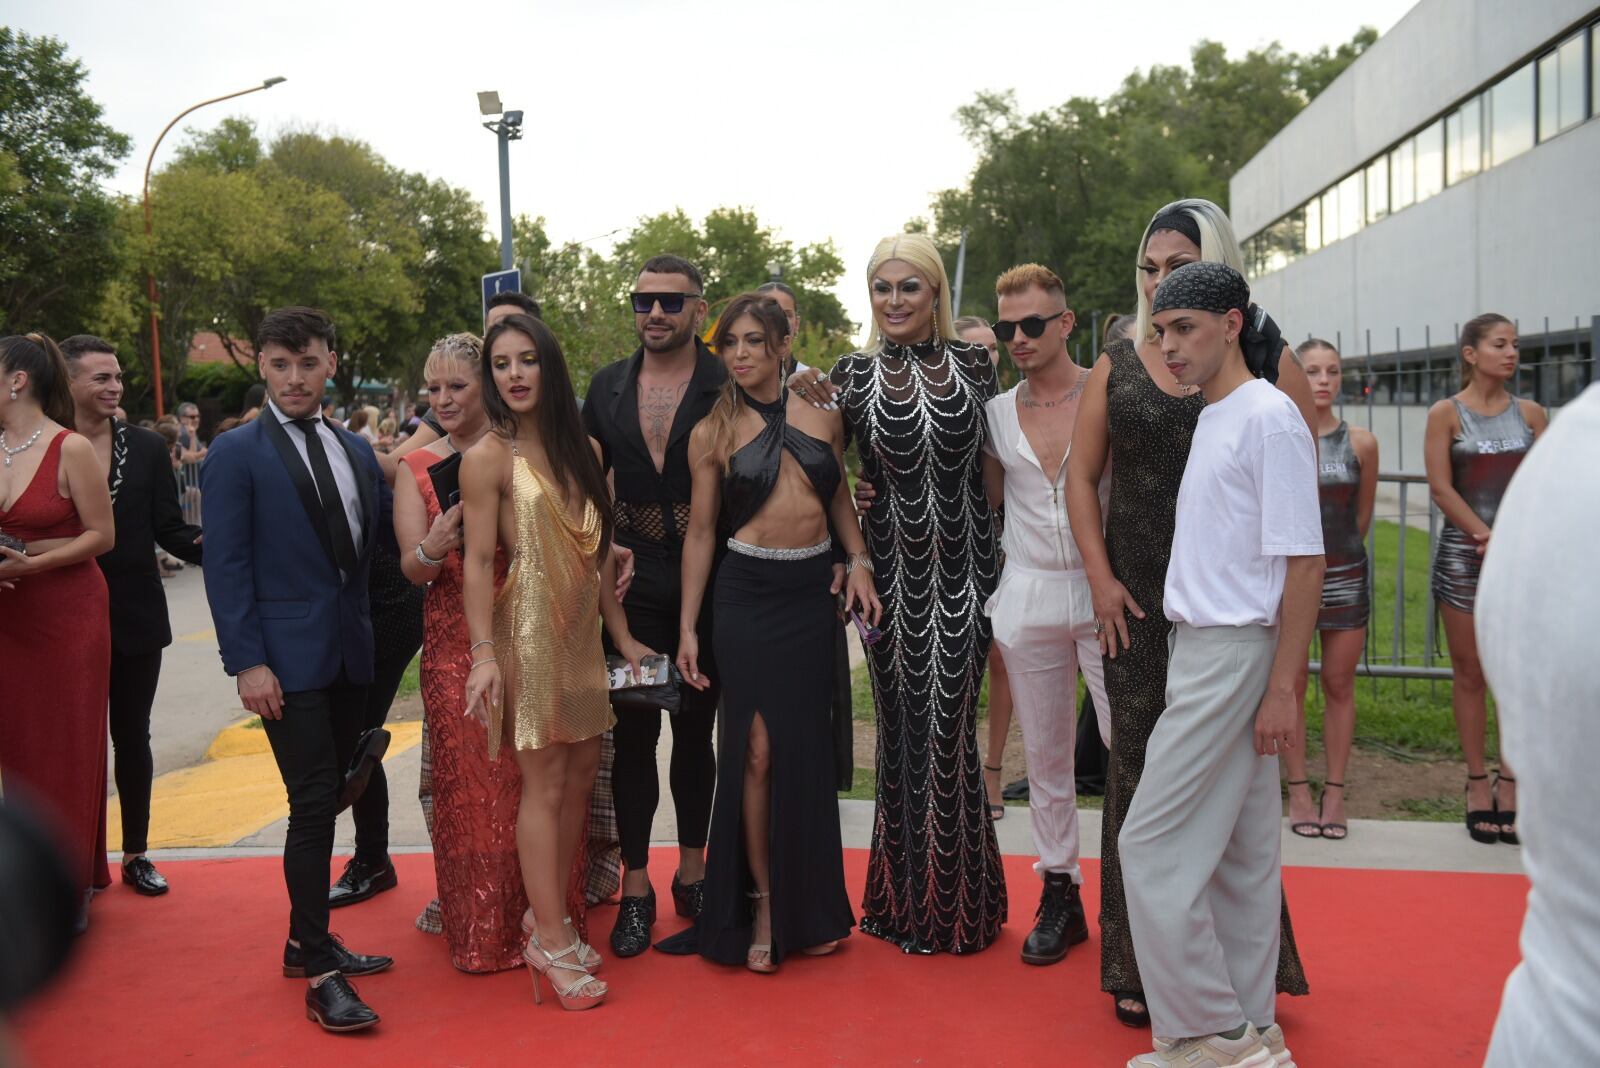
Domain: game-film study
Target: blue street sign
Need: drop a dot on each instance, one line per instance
(500, 282)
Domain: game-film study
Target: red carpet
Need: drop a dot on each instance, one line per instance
(1406, 968)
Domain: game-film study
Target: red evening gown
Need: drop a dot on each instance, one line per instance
(55, 672)
(475, 799)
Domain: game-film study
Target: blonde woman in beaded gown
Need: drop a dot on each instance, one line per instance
(533, 488)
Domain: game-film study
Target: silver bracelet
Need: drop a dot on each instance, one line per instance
(474, 645)
(426, 560)
(480, 663)
(861, 560)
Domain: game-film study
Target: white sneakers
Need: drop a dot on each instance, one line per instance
(1272, 1038)
(1215, 1051)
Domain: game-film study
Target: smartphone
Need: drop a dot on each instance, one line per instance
(654, 671)
(15, 544)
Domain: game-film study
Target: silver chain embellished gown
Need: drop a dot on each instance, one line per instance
(934, 878)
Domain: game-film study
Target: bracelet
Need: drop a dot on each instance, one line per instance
(426, 560)
(474, 645)
(861, 560)
(480, 663)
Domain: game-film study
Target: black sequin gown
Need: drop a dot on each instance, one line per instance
(1150, 434)
(934, 878)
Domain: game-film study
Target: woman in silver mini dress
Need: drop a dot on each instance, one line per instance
(1474, 442)
(1348, 479)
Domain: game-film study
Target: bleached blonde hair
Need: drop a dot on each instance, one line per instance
(1217, 245)
(464, 349)
(923, 255)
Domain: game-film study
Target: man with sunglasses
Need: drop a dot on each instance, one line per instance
(640, 410)
(1042, 612)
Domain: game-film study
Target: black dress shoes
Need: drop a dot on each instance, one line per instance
(361, 880)
(335, 1005)
(351, 965)
(688, 898)
(1060, 921)
(631, 936)
(140, 874)
(368, 755)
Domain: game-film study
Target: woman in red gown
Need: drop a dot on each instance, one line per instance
(55, 624)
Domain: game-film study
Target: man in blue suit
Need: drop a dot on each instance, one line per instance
(294, 505)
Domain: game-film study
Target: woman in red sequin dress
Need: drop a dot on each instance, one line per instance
(55, 623)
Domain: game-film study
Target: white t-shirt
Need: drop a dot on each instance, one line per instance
(1248, 499)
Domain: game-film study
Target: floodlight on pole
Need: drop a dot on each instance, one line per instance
(489, 103)
(149, 233)
(507, 128)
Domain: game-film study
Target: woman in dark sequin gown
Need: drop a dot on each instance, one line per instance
(914, 403)
(1143, 426)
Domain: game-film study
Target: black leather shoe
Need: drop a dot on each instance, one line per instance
(368, 755)
(631, 936)
(688, 898)
(350, 964)
(140, 874)
(1060, 921)
(334, 1004)
(360, 881)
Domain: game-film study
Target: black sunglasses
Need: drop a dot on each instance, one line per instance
(671, 303)
(1032, 326)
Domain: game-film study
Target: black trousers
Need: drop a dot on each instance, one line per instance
(313, 743)
(133, 693)
(844, 750)
(371, 811)
(652, 608)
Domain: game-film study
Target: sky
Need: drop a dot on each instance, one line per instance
(830, 118)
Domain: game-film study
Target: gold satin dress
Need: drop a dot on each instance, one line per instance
(547, 624)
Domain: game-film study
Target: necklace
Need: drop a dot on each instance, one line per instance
(1026, 394)
(10, 451)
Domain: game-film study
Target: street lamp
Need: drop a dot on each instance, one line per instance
(149, 235)
(507, 128)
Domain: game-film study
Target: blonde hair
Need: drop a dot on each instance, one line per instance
(1026, 276)
(921, 253)
(463, 348)
(1217, 245)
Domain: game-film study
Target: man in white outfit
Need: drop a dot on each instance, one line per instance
(1041, 611)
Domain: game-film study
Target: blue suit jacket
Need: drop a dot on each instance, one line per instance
(276, 595)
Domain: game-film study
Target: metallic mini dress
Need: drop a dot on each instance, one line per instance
(1483, 457)
(1346, 596)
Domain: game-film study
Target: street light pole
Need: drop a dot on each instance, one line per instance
(507, 128)
(149, 236)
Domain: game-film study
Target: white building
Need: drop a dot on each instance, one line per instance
(1453, 169)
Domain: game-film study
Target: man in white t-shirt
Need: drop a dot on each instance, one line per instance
(1042, 612)
(1200, 846)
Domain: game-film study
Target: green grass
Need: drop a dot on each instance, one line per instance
(865, 788)
(411, 681)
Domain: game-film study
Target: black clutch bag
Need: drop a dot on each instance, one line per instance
(14, 544)
(664, 695)
(446, 478)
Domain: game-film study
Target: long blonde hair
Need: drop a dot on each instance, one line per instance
(1217, 245)
(722, 422)
(922, 254)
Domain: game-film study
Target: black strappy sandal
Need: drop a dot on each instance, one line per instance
(996, 812)
(1507, 817)
(1476, 816)
(1344, 831)
(1315, 825)
(1139, 1017)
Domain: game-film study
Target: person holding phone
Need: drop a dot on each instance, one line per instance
(769, 468)
(534, 490)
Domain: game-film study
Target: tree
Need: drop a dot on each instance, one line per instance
(60, 250)
(1073, 186)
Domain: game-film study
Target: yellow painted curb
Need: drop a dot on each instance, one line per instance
(233, 793)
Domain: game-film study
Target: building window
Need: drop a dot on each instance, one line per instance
(1351, 218)
(1377, 189)
(1464, 141)
(1330, 216)
(1561, 88)
(1594, 78)
(1430, 161)
(1402, 175)
(1511, 116)
(1313, 224)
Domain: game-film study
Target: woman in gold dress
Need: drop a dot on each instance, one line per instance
(533, 487)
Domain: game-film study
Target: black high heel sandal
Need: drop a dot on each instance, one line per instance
(1344, 831)
(996, 812)
(1139, 1017)
(1506, 816)
(1476, 816)
(1315, 826)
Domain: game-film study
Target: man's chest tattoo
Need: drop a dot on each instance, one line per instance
(657, 407)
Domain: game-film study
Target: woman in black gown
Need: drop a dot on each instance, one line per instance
(914, 403)
(767, 469)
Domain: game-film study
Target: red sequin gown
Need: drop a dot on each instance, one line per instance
(475, 799)
(55, 672)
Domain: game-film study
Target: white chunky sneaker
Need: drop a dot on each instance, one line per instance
(1272, 1038)
(1210, 1051)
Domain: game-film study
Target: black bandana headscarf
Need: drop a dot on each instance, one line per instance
(1218, 288)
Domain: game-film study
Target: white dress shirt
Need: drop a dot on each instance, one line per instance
(344, 473)
(1036, 533)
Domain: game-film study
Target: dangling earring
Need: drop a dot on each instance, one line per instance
(13, 394)
(937, 342)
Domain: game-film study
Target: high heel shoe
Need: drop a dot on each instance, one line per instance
(1339, 831)
(1507, 817)
(587, 955)
(996, 812)
(1476, 816)
(585, 991)
(759, 956)
(1305, 828)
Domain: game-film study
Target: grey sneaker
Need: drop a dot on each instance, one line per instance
(1209, 1051)
(1272, 1038)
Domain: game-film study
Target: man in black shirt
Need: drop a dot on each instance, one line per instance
(641, 410)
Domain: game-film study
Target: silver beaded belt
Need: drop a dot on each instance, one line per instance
(761, 552)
